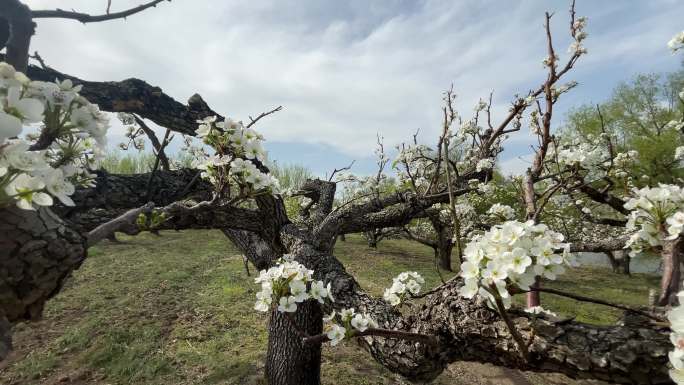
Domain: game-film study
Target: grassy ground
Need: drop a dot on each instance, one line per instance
(178, 310)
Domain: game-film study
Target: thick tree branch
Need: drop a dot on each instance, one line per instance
(604, 197)
(136, 97)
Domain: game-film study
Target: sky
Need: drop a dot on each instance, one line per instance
(347, 71)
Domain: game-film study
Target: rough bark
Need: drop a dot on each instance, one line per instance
(38, 251)
(289, 360)
(254, 248)
(135, 96)
(21, 29)
(443, 255)
(670, 282)
(443, 243)
(114, 194)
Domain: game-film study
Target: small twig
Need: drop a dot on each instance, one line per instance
(596, 301)
(335, 171)
(252, 121)
(509, 323)
(39, 59)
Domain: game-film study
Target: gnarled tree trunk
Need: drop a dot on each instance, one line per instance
(37, 252)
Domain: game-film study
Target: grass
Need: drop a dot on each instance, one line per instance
(177, 309)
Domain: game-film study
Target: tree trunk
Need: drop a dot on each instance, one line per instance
(443, 252)
(619, 261)
(671, 280)
(626, 260)
(288, 360)
(37, 253)
(372, 239)
(342, 238)
(22, 29)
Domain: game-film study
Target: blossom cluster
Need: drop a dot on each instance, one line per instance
(512, 253)
(289, 282)
(586, 155)
(286, 284)
(345, 324)
(239, 151)
(484, 164)
(676, 318)
(501, 212)
(403, 286)
(657, 214)
(677, 42)
(580, 35)
(71, 137)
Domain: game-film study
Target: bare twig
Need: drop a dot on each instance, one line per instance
(596, 301)
(87, 18)
(335, 171)
(252, 121)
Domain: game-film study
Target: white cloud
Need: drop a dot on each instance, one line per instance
(343, 70)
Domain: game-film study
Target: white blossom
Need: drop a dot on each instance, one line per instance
(511, 253)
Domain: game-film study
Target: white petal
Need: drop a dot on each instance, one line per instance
(31, 110)
(42, 199)
(10, 126)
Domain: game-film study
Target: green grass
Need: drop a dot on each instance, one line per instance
(177, 309)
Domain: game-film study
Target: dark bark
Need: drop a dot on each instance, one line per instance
(371, 238)
(254, 248)
(289, 360)
(619, 261)
(37, 253)
(114, 194)
(443, 243)
(443, 255)
(21, 29)
(136, 97)
(670, 282)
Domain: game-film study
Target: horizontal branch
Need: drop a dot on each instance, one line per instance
(86, 18)
(114, 194)
(611, 244)
(614, 202)
(135, 96)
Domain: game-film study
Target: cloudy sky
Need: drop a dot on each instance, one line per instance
(348, 70)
